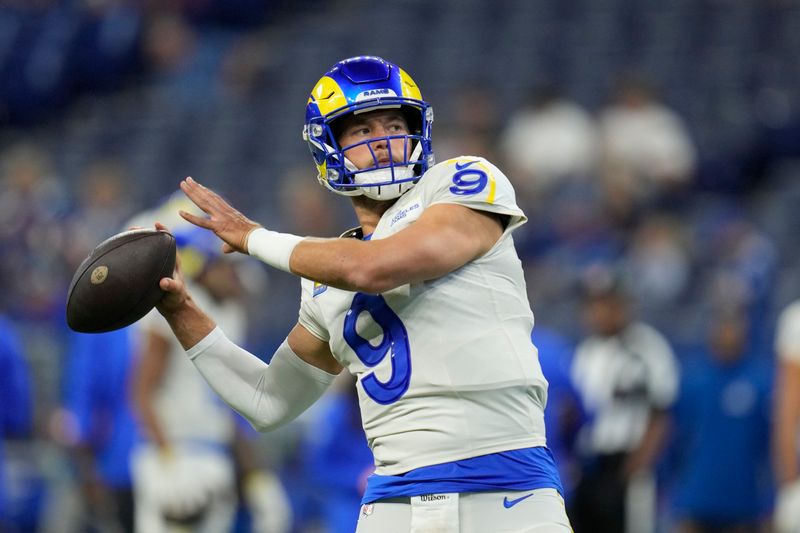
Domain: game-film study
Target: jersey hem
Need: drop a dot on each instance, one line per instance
(455, 488)
(312, 328)
(402, 468)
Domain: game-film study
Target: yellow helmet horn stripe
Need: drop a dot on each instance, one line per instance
(410, 89)
(327, 95)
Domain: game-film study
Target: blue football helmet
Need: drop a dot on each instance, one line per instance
(197, 247)
(354, 86)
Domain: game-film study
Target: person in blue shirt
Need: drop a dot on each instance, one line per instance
(722, 480)
(563, 414)
(16, 405)
(337, 458)
(100, 429)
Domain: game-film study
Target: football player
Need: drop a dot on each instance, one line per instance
(184, 469)
(424, 303)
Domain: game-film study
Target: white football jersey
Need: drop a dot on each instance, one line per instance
(446, 368)
(620, 379)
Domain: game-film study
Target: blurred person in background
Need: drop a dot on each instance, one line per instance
(184, 471)
(563, 415)
(548, 141)
(722, 482)
(658, 261)
(33, 203)
(264, 505)
(93, 420)
(626, 375)
(647, 155)
(474, 125)
(550, 145)
(744, 262)
(458, 439)
(305, 207)
(96, 425)
(338, 459)
(18, 512)
(103, 203)
(169, 43)
(786, 421)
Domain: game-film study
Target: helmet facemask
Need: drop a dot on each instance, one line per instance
(381, 181)
(391, 179)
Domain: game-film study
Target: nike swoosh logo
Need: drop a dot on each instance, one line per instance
(462, 166)
(508, 504)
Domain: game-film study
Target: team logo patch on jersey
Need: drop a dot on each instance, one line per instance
(403, 214)
(319, 288)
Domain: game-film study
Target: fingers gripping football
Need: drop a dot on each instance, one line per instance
(175, 293)
(226, 222)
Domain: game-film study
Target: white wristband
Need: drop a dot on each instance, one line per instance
(272, 247)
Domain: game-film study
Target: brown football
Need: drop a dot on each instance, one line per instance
(118, 283)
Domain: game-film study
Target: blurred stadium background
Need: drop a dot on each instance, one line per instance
(106, 104)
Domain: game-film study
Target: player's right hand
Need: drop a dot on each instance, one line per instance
(176, 295)
(226, 222)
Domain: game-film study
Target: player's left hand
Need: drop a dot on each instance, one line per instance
(226, 222)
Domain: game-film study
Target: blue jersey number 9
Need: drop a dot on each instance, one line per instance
(394, 344)
(468, 180)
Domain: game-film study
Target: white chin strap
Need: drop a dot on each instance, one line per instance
(385, 175)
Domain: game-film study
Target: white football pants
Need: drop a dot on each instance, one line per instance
(528, 511)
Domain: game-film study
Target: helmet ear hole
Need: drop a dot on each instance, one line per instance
(413, 119)
(337, 126)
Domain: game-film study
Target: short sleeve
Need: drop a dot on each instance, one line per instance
(310, 313)
(663, 369)
(787, 341)
(473, 182)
